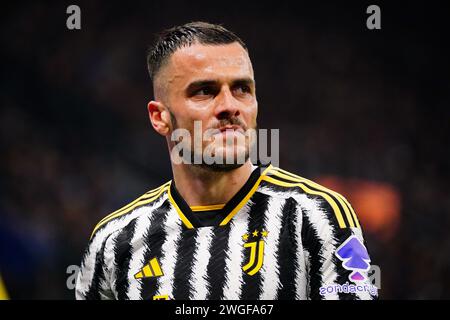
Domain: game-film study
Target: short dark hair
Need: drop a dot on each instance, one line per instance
(170, 40)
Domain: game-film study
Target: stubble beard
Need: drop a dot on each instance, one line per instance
(216, 167)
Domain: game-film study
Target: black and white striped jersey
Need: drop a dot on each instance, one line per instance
(280, 237)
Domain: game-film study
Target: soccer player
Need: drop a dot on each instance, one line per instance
(222, 230)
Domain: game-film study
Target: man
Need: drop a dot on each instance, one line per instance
(221, 230)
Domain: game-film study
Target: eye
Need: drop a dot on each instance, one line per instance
(242, 89)
(205, 91)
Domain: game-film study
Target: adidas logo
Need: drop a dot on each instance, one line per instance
(151, 269)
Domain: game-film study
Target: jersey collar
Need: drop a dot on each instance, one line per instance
(229, 210)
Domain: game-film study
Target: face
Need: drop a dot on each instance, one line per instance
(213, 85)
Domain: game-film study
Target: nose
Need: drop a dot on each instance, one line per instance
(227, 107)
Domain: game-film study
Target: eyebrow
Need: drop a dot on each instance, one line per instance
(202, 83)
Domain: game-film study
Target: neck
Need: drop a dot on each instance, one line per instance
(211, 187)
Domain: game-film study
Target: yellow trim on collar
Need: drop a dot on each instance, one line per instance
(246, 198)
(185, 220)
(209, 207)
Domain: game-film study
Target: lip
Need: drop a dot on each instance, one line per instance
(231, 128)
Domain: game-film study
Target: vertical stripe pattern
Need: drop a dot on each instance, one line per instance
(153, 239)
(235, 255)
(281, 244)
(202, 255)
(270, 277)
(122, 259)
(169, 253)
(144, 224)
(288, 248)
(258, 206)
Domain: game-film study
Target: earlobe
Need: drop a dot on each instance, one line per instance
(156, 113)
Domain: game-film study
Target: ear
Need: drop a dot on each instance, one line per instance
(159, 117)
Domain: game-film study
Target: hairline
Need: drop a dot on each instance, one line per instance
(165, 61)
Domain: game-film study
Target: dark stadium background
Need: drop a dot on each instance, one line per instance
(364, 112)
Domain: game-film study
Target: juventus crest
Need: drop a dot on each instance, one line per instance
(255, 244)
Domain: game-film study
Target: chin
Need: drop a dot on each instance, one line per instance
(235, 155)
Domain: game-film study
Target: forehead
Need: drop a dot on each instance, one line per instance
(213, 62)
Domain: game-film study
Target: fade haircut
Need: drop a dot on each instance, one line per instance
(170, 40)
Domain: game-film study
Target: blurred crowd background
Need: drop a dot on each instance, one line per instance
(364, 112)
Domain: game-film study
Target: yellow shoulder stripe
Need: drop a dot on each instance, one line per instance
(324, 195)
(146, 195)
(145, 199)
(348, 209)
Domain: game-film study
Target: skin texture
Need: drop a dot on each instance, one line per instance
(213, 84)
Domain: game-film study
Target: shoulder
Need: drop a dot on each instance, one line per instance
(286, 184)
(120, 218)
